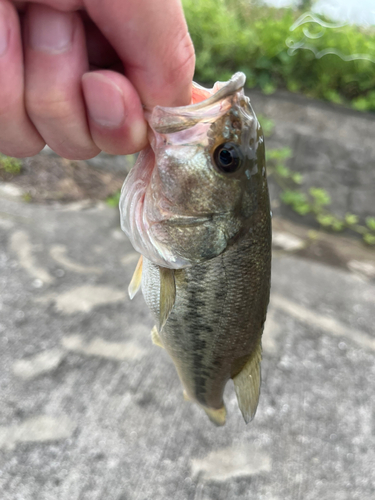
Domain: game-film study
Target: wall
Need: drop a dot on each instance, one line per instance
(333, 147)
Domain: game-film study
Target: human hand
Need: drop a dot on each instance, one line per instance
(47, 94)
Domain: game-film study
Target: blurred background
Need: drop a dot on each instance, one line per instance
(90, 408)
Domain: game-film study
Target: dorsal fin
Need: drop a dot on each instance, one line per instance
(167, 295)
(136, 280)
(247, 385)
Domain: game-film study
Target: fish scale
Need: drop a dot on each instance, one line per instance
(205, 271)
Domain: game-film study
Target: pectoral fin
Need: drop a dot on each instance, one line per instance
(136, 280)
(155, 337)
(167, 295)
(247, 385)
(186, 395)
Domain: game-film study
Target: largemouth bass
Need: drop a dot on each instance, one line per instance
(196, 207)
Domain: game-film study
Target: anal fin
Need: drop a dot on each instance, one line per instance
(247, 385)
(136, 280)
(217, 417)
(155, 337)
(167, 295)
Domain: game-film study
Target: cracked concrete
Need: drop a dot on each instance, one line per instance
(20, 244)
(40, 364)
(235, 461)
(92, 410)
(59, 254)
(39, 429)
(99, 347)
(83, 298)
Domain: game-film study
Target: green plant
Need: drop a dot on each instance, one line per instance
(114, 199)
(316, 201)
(10, 165)
(267, 125)
(238, 35)
(27, 198)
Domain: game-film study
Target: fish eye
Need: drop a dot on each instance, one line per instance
(227, 158)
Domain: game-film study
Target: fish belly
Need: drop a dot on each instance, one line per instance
(216, 323)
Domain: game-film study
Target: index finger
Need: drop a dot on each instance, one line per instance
(152, 40)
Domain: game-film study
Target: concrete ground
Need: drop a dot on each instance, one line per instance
(92, 410)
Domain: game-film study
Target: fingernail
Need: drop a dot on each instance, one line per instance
(50, 31)
(104, 100)
(138, 133)
(4, 36)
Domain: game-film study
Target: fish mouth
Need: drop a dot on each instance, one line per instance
(189, 220)
(167, 120)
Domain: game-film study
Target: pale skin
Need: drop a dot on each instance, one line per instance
(62, 73)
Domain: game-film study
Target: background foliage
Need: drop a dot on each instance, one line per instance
(239, 35)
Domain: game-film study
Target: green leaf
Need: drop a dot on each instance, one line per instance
(326, 220)
(338, 225)
(269, 88)
(297, 178)
(351, 219)
(361, 104)
(333, 96)
(10, 165)
(293, 197)
(297, 200)
(369, 238)
(267, 125)
(114, 200)
(302, 209)
(370, 223)
(282, 170)
(321, 197)
(279, 154)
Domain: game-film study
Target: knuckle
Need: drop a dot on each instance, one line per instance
(183, 61)
(18, 137)
(61, 123)
(49, 105)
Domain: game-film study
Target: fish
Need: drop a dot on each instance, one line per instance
(196, 207)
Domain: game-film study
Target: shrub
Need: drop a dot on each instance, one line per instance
(236, 35)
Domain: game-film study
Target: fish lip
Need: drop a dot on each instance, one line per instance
(228, 88)
(166, 120)
(189, 220)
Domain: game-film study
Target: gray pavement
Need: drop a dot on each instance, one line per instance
(92, 410)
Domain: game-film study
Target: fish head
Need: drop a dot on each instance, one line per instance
(203, 177)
